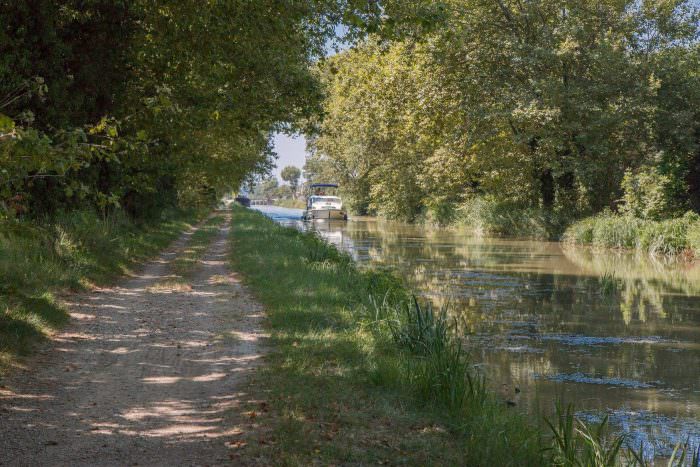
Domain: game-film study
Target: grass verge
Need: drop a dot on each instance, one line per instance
(356, 380)
(361, 373)
(188, 258)
(672, 237)
(291, 203)
(40, 259)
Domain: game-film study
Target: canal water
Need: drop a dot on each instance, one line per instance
(617, 334)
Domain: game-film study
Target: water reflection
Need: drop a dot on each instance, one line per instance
(613, 332)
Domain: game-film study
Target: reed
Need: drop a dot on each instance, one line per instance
(609, 284)
(670, 237)
(575, 443)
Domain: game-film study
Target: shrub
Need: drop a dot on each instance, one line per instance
(487, 215)
(669, 237)
(650, 194)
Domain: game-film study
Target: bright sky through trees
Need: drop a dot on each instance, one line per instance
(291, 151)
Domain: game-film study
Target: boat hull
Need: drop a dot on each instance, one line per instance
(330, 214)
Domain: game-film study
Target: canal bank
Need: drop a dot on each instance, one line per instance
(616, 332)
(340, 387)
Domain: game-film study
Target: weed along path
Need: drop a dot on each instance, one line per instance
(149, 372)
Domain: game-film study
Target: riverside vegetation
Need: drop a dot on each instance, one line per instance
(520, 118)
(359, 371)
(120, 121)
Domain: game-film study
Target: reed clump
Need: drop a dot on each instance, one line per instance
(669, 237)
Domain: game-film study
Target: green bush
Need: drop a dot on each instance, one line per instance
(487, 215)
(669, 237)
(650, 194)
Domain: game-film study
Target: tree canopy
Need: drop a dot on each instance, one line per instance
(565, 106)
(291, 175)
(140, 104)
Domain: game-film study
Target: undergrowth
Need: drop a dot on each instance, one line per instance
(659, 238)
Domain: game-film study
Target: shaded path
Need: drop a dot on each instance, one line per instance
(144, 375)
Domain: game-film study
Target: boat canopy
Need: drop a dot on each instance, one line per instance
(324, 185)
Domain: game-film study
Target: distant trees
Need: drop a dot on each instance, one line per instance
(291, 175)
(560, 105)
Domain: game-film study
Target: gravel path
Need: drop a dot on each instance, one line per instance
(144, 375)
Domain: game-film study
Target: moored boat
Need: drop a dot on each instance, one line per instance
(323, 203)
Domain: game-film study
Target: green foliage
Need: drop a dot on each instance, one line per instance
(649, 194)
(142, 105)
(666, 238)
(488, 215)
(516, 101)
(291, 175)
(575, 443)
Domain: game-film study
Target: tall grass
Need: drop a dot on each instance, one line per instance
(488, 216)
(575, 443)
(436, 367)
(40, 258)
(660, 238)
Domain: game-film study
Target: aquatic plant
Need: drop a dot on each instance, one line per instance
(576, 443)
(608, 283)
(438, 367)
(679, 457)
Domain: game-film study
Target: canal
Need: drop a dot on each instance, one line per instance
(616, 333)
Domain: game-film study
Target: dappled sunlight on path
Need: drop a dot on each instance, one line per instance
(146, 373)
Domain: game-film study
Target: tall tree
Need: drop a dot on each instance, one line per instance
(291, 175)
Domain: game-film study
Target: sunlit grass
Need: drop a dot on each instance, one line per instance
(353, 381)
(362, 373)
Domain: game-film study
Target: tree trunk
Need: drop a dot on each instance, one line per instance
(547, 188)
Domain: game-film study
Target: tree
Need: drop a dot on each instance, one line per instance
(517, 101)
(291, 175)
(144, 104)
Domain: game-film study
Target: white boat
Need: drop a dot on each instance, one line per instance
(320, 205)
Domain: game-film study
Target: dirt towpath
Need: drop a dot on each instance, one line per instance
(144, 375)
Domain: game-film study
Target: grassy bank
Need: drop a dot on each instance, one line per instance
(354, 380)
(41, 259)
(291, 203)
(680, 236)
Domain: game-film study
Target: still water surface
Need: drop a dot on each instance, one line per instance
(542, 317)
